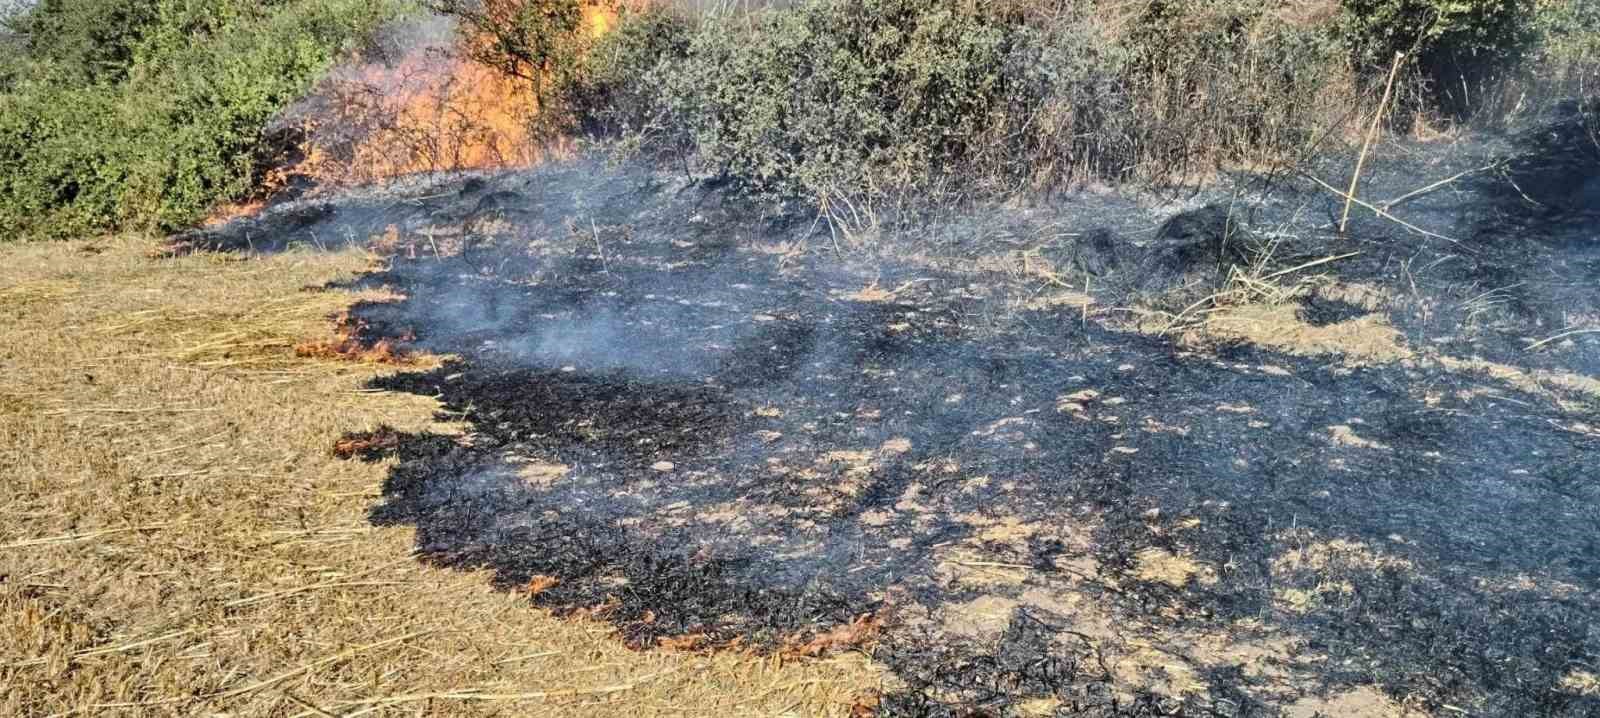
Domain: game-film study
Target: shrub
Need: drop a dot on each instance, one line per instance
(167, 125)
(838, 93)
(616, 91)
(1460, 48)
(529, 39)
(1569, 54)
(1185, 90)
(873, 96)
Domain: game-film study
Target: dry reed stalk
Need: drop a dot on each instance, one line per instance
(69, 538)
(1366, 145)
(374, 704)
(309, 667)
(1413, 194)
(339, 582)
(1382, 213)
(1559, 337)
(120, 648)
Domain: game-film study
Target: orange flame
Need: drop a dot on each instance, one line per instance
(431, 111)
(427, 113)
(599, 20)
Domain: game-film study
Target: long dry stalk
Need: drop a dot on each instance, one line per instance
(1381, 213)
(309, 667)
(1366, 145)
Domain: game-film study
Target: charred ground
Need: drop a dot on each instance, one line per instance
(686, 424)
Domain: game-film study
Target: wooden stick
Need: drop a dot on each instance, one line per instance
(1366, 144)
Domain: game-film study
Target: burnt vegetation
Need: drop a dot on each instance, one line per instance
(837, 339)
(714, 444)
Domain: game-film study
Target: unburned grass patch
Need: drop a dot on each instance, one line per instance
(176, 539)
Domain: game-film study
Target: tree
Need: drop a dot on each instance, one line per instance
(529, 39)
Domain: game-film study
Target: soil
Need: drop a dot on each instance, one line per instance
(1042, 503)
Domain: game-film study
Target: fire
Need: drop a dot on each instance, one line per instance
(432, 110)
(599, 20)
(353, 341)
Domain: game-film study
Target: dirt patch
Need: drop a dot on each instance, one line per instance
(1344, 435)
(982, 618)
(1161, 566)
(1582, 683)
(1542, 382)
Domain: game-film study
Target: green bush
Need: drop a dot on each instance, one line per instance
(536, 40)
(850, 97)
(1569, 54)
(165, 120)
(1186, 89)
(616, 91)
(837, 94)
(1461, 48)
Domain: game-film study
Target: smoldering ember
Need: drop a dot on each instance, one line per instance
(999, 448)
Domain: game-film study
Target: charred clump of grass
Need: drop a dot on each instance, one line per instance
(368, 445)
(1553, 172)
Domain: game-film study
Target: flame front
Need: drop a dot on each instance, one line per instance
(432, 110)
(599, 20)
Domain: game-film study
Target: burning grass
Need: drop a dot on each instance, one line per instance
(353, 340)
(175, 538)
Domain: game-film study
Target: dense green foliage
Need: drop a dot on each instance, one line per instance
(1461, 48)
(615, 92)
(147, 113)
(813, 99)
(863, 96)
(848, 96)
(1569, 47)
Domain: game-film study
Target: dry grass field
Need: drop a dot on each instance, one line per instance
(176, 538)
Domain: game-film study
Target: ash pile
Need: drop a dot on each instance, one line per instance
(1003, 450)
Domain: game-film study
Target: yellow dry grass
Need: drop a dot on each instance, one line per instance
(1369, 339)
(176, 539)
(1162, 566)
(1583, 683)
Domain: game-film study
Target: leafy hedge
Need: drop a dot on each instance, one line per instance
(852, 96)
(867, 96)
(145, 114)
(839, 93)
(1460, 48)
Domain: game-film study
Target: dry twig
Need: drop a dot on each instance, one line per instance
(1366, 145)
